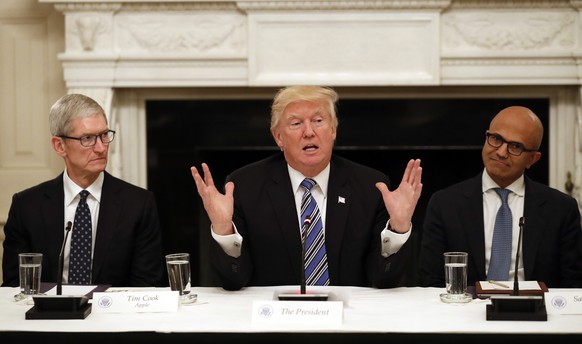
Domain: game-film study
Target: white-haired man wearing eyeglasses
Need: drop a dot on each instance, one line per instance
(123, 238)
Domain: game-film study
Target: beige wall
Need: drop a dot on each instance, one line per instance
(31, 79)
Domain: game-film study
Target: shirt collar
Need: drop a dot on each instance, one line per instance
(297, 177)
(72, 189)
(517, 187)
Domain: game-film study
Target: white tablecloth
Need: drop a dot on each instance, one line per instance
(400, 310)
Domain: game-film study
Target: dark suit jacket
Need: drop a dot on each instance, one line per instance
(266, 217)
(128, 247)
(551, 234)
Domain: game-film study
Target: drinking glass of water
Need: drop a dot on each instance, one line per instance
(30, 268)
(456, 278)
(178, 265)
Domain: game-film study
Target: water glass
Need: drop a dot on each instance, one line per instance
(178, 265)
(456, 278)
(30, 269)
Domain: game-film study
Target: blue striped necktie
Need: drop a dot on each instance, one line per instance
(81, 240)
(315, 263)
(502, 237)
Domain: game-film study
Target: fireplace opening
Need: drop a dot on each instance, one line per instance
(447, 134)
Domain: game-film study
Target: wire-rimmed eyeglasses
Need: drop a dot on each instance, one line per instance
(91, 140)
(513, 148)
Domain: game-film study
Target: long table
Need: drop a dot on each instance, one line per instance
(220, 316)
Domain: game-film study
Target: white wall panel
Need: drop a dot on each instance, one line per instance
(354, 48)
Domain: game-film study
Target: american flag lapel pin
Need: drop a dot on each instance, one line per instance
(340, 199)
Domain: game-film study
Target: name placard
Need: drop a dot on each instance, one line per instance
(564, 302)
(136, 301)
(320, 314)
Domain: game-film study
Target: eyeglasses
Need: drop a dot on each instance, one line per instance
(91, 140)
(513, 148)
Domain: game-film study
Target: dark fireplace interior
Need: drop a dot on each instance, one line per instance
(446, 133)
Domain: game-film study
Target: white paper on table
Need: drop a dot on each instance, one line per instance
(73, 290)
(523, 285)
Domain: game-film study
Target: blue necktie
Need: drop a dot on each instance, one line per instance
(81, 240)
(502, 237)
(315, 256)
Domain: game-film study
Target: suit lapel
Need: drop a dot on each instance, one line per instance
(472, 224)
(339, 197)
(53, 212)
(109, 211)
(282, 198)
(534, 215)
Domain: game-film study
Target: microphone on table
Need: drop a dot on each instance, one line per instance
(303, 295)
(60, 306)
(517, 254)
(62, 260)
(514, 306)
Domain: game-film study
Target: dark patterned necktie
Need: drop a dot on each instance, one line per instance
(315, 256)
(80, 255)
(502, 237)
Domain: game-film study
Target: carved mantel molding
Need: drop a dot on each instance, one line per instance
(138, 44)
(267, 43)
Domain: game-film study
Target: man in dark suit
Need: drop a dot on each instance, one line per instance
(462, 216)
(257, 226)
(126, 248)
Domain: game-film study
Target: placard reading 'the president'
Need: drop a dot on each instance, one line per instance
(321, 314)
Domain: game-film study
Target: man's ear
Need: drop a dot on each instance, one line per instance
(59, 145)
(535, 157)
(277, 136)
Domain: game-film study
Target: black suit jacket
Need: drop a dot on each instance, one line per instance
(128, 248)
(266, 217)
(551, 234)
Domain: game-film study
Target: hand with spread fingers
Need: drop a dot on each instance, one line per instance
(401, 202)
(219, 207)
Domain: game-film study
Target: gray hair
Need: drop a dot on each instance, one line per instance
(291, 94)
(70, 107)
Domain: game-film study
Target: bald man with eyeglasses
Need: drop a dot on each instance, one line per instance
(462, 217)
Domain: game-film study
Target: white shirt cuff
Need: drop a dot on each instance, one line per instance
(231, 243)
(392, 241)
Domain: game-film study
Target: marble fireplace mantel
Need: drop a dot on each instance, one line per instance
(148, 43)
(116, 48)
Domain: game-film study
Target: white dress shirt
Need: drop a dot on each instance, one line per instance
(491, 204)
(71, 201)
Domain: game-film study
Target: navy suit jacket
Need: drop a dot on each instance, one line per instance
(551, 243)
(265, 215)
(128, 247)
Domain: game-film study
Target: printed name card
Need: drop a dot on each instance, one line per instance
(136, 302)
(320, 314)
(564, 302)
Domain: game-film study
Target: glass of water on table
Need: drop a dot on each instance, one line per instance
(456, 278)
(29, 270)
(178, 265)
